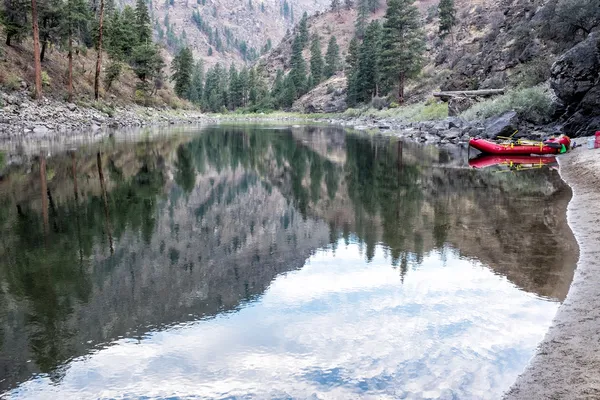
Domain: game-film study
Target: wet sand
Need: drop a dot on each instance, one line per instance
(567, 363)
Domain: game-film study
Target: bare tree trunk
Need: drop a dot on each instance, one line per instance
(70, 83)
(99, 59)
(36, 51)
(105, 198)
(43, 51)
(44, 191)
(401, 88)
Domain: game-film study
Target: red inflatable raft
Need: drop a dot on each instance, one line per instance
(522, 147)
(518, 162)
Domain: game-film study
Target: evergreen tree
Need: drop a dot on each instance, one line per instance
(332, 58)
(235, 95)
(14, 18)
(403, 44)
(353, 54)
(316, 61)
(143, 25)
(210, 51)
(286, 9)
(182, 67)
(196, 87)
(298, 71)
(303, 30)
(244, 87)
(278, 89)
(447, 13)
(289, 92)
(362, 16)
(374, 5)
(348, 4)
(335, 5)
(147, 62)
(368, 69)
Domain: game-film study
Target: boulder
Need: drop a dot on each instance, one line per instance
(456, 105)
(503, 125)
(575, 80)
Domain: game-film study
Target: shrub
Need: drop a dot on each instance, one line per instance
(113, 71)
(532, 104)
(12, 82)
(46, 79)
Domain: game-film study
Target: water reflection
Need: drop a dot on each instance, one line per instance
(130, 238)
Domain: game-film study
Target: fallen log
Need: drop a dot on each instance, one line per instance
(468, 93)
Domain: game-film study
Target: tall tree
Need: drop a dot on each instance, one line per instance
(77, 16)
(303, 30)
(332, 58)
(316, 60)
(353, 54)
(143, 25)
(14, 19)
(368, 68)
(182, 67)
(235, 91)
(298, 71)
(147, 62)
(99, 48)
(447, 16)
(36, 51)
(196, 88)
(362, 16)
(403, 44)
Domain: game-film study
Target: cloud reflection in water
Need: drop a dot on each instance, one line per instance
(339, 328)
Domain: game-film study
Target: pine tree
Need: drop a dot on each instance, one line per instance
(278, 88)
(36, 51)
(182, 67)
(196, 87)
(362, 16)
(303, 30)
(289, 93)
(99, 51)
(447, 16)
(403, 44)
(235, 95)
(143, 25)
(335, 5)
(353, 54)
(368, 69)
(374, 5)
(147, 62)
(348, 4)
(14, 18)
(244, 87)
(316, 61)
(298, 71)
(332, 58)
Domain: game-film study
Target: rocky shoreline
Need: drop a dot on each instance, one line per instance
(21, 118)
(567, 361)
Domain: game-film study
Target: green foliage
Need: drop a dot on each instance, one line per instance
(112, 74)
(14, 18)
(447, 13)
(402, 46)
(532, 104)
(362, 16)
(197, 84)
(566, 22)
(303, 30)
(316, 61)
(363, 77)
(147, 62)
(332, 58)
(46, 81)
(182, 67)
(142, 22)
(298, 64)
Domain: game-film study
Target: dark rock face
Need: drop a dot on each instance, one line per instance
(504, 125)
(576, 81)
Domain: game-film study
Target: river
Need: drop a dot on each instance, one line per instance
(273, 262)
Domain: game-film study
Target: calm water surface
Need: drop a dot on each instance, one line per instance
(280, 263)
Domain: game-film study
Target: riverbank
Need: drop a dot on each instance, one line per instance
(568, 360)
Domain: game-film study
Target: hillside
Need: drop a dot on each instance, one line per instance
(494, 44)
(246, 28)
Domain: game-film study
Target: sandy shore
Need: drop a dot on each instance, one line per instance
(567, 363)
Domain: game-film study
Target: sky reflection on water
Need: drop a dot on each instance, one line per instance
(339, 328)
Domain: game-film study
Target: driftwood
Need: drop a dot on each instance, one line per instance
(467, 93)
